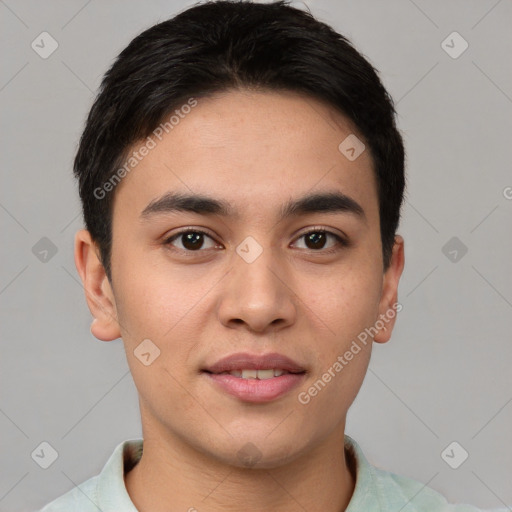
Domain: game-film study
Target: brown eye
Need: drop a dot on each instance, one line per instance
(190, 240)
(316, 240)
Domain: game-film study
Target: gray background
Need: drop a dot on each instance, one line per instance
(445, 375)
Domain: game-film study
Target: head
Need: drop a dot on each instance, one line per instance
(285, 137)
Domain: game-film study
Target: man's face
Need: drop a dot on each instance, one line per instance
(200, 298)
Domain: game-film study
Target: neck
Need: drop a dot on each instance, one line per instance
(172, 476)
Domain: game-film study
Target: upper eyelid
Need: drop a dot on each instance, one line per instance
(188, 230)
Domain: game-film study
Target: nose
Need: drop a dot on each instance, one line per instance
(257, 295)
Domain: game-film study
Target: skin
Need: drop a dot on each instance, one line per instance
(256, 150)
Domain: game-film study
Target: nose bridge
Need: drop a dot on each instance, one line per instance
(256, 268)
(257, 294)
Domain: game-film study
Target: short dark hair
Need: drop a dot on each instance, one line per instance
(226, 45)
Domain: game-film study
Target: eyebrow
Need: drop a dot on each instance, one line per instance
(327, 202)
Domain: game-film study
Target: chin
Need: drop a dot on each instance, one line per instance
(258, 452)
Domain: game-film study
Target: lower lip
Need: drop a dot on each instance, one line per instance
(256, 390)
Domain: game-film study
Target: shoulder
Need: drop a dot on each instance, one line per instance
(105, 491)
(415, 496)
(82, 498)
(379, 490)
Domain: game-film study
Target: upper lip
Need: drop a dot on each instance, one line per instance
(244, 360)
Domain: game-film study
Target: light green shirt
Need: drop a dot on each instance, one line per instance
(376, 490)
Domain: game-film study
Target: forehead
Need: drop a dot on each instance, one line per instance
(253, 150)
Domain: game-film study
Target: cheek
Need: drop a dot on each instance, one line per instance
(343, 350)
(336, 380)
(163, 309)
(348, 303)
(348, 306)
(151, 301)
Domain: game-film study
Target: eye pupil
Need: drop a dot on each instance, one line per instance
(317, 238)
(192, 239)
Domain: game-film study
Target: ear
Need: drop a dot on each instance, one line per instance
(388, 305)
(98, 291)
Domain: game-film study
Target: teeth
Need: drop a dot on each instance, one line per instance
(265, 374)
(257, 374)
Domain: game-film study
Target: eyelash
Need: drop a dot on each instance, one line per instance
(340, 241)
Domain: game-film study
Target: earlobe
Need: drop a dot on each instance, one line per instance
(389, 305)
(98, 292)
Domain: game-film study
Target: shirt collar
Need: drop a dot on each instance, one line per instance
(112, 495)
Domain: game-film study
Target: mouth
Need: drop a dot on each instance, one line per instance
(255, 378)
(244, 363)
(257, 374)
